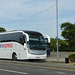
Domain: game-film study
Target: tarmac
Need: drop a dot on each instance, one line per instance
(49, 63)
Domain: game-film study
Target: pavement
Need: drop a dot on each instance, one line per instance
(52, 62)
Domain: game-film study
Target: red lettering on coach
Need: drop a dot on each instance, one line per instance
(7, 45)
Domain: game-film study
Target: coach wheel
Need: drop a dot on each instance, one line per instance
(14, 56)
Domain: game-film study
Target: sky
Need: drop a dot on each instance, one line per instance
(36, 15)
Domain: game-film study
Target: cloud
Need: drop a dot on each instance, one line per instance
(21, 8)
(72, 20)
(67, 5)
(66, 11)
(11, 10)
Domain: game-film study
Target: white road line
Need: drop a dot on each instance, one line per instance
(60, 72)
(13, 71)
(42, 70)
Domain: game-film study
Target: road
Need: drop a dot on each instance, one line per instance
(20, 69)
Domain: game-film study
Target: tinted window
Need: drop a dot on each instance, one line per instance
(10, 37)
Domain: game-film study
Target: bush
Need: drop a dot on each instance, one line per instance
(72, 57)
(73, 49)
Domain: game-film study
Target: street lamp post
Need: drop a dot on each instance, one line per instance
(57, 28)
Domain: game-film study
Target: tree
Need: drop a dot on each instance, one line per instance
(62, 45)
(2, 29)
(68, 32)
(53, 44)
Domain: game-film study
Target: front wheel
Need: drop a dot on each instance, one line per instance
(14, 56)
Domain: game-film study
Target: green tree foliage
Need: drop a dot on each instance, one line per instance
(53, 44)
(68, 32)
(2, 29)
(63, 45)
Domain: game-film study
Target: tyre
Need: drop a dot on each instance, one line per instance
(14, 56)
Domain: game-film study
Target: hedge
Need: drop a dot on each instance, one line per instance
(72, 57)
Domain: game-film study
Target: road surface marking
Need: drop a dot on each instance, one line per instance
(33, 65)
(13, 71)
(60, 72)
(41, 69)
